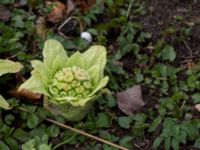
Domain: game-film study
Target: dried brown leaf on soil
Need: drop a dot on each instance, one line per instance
(26, 94)
(58, 11)
(197, 106)
(85, 5)
(130, 100)
(4, 13)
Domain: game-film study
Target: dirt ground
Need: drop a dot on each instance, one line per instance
(161, 15)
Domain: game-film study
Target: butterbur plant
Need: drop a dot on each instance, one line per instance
(70, 84)
(8, 66)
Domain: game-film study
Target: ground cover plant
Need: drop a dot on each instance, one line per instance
(151, 100)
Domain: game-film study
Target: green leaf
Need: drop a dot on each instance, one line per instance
(175, 144)
(168, 53)
(76, 60)
(94, 74)
(126, 142)
(35, 84)
(9, 119)
(30, 145)
(4, 104)
(44, 147)
(100, 85)
(192, 131)
(21, 135)
(124, 122)
(3, 146)
(197, 143)
(53, 49)
(196, 98)
(103, 121)
(111, 100)
(157, 142)
(8, 66)
(139, 118)
(107, 136)
(42, 69)
(167, 142)
(32, 121)
(95, 55)
(182, 136)
(155, 124)
(5, 2)
(39, 131)
(53, 131)
(12, 143)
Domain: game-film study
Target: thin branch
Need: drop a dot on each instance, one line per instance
(86, 134)
(190, 50)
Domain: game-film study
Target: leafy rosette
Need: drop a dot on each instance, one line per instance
(70, 84)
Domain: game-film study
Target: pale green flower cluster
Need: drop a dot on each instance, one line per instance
(71, 81)
(70, 84)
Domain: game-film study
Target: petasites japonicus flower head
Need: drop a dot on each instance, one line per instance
(76, 80)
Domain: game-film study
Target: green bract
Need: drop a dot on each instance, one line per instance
(70, 83)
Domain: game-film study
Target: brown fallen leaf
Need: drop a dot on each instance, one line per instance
(70, 6)
(58, 12)
(130, 100)
(197, 106)
(85, 5)
(26, 94)
(4, 13)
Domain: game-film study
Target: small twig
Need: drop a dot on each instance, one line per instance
(86, 134)
(183, 104)
(66, 21)
(13, 56)
(129, 9)
(190, 50)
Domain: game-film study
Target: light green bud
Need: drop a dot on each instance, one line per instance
(75, 83)
(80, 74)
(80, 89)
(63, 93)
(59, 76)
(68, 75)
(53, 90)
(80, 96)
(72, 82)
(87, 84)
(72, 93)
(67, 87)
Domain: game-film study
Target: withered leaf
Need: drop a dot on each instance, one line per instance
(58, 12)
(197, 106)
(130, 100)
(85, 5)
(26, 94)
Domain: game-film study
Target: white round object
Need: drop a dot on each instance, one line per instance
(87, 36)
